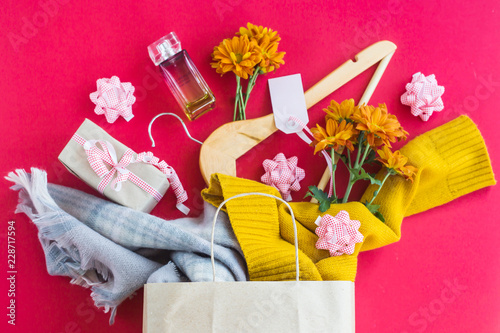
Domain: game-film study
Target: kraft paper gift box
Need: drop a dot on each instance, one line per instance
(74, 158)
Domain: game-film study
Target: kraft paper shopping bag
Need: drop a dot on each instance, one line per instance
(222, 307)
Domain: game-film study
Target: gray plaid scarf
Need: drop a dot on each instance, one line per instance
(114, 250)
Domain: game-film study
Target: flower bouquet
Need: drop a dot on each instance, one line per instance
(367, 132)
(251, 52)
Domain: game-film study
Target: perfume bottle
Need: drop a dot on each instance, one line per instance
(181, 75)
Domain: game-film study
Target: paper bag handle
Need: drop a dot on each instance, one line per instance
(265, 195)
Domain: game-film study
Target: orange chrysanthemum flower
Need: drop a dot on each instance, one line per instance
(239, 55)
(271, 58)
(344, 110)
(380, 126)
(392, 160)
(408, 172)
(397, 162)
(267, 43)
(258, 32)
(336, 135)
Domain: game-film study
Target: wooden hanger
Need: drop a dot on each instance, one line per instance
(230, 141)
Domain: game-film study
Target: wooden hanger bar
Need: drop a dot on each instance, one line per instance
(230, 141)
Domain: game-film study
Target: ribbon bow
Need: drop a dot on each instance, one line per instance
(113, 99)
(98, 158)
(338, 234)
(423, 95)
(283, 174)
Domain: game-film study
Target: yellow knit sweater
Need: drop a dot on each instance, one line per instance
(452, 161)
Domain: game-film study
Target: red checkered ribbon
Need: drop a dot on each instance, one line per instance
(283, 174)
(423, 94)
(113, 99)
(100, 159)
(302, 134)
(338, 234)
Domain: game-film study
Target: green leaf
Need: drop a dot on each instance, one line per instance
(379, 216)
(316, 193)
(322, 197)
(371, 207)
(361, 174)
(324, 205)
(372, 179)
(374, 210)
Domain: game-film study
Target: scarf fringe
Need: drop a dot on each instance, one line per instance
(36, 203)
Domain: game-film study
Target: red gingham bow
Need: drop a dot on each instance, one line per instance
(99, 158)
(283, 174)
(338, 234)
(113, 98)
(423, 94)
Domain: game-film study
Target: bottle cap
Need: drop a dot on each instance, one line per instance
(164, 48)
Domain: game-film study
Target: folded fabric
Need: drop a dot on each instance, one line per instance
(452, 161)
(103, 245)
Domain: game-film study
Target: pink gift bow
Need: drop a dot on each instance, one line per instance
(113, 99)
(283, 174)
(338, 233)
(423, 95)
(97, 159)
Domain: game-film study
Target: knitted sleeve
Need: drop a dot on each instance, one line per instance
(452, 160)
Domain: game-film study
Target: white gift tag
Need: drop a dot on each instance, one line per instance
(287, 98)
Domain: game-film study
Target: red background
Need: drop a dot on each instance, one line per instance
(46, 78)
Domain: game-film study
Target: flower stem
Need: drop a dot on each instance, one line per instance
(251, 84)
(242, 103)
(378, 190)
(236, 98)
(356, 166)
(349, 188)
(334, 167)
(360, 147)
(349, 166)
(239, 103)
(367, 150)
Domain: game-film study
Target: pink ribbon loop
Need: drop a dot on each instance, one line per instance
(148, 158)
(100, 159)
(175, 184)
(303, 136)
